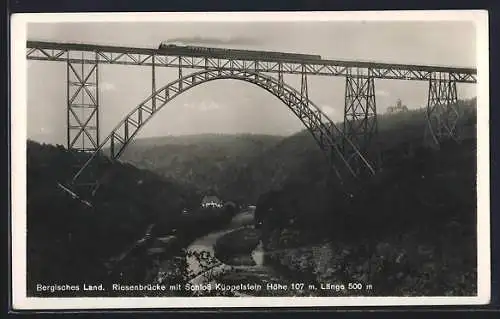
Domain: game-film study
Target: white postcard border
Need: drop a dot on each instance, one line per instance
(18, 162)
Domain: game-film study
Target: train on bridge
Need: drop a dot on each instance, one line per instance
(178, 48)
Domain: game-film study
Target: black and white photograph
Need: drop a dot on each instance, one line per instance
(240, 159)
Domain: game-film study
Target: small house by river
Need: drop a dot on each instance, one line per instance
(211, 202)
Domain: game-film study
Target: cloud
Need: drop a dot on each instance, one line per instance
(328, 109)
(334, 114)
(382, 93)
(203, 106)
(208, 106)
(44, 130)
(107, 86)
(217, 41)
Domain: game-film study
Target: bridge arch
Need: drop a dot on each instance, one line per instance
(326, 134)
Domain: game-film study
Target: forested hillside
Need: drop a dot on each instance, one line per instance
(209, 162)
(411, 230)
(72, 242)
(241, 168)
(420, 195)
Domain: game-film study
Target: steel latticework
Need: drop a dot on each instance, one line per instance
(53, 51)
(82, 104)
(360, 117)
(319, 125)
(351, 149)
(442, 108)
(303, 85)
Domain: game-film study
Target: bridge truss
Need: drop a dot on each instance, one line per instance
(352, 145)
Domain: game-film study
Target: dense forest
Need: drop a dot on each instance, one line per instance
(242, 167)
(214, 162)
(71, 241)
(414, 182)
(410, 230)
(418, 187)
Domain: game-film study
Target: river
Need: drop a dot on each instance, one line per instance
(204, 268)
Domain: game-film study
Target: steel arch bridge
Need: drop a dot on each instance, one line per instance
(324, 131)
(350, 146)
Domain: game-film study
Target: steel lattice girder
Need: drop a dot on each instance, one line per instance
(49, 51)
(324, 131)
(303, 85)
(82, 106)
(360, 117)
(442, 108)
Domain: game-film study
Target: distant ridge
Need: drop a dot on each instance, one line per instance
(249, 164)
(195, 138)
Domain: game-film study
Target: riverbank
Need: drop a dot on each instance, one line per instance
(242, 248)
(437, 260)
(235, 248)
(196, 263)
(244, 266)
(162, 256)
(407, 265)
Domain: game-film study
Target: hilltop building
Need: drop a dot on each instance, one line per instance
(211, 202)
(399, 107)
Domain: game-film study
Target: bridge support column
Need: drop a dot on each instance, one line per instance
(83, 114)
(82, 103)
(179, 71)
(304, 95)
(360, 119)
(442, 110)
(280, 73)
(153, 85)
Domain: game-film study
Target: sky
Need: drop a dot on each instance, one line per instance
(230, 106)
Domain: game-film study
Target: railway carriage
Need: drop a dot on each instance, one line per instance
(178, 48)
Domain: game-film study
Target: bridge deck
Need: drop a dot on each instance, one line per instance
(55, 51)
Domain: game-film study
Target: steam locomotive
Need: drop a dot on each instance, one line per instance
(198, 51)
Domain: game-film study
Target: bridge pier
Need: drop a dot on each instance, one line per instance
(360, 119)
(179, 73)
(280, 74)
(304, 95)
(82, 78)
(153, 85)
(442, 109)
